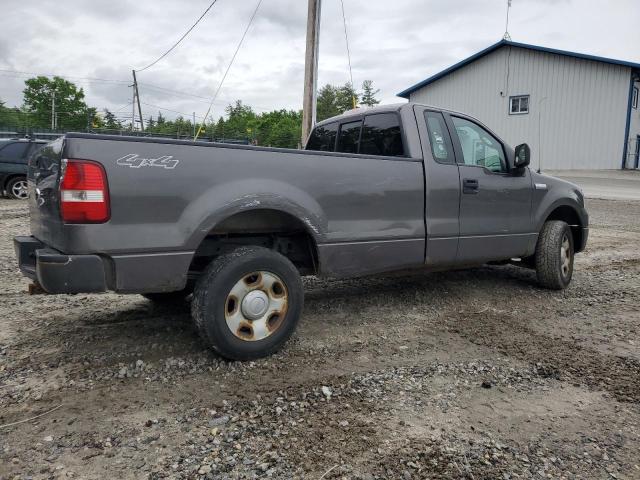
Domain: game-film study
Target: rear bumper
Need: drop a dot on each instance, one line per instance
(57, 272)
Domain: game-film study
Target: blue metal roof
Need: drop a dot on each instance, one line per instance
(504, 43)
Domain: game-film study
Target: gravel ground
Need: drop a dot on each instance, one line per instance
(469, 374)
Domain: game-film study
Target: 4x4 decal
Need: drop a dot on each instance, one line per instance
(135, 161)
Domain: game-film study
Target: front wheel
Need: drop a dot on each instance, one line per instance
(17, 188)
(554, 255)
(247, 303)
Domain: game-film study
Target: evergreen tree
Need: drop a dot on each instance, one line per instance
(368, 94)
(326, 103)
(332, 100)
(347, 98)
(110, 121)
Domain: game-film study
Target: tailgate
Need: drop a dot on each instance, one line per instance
(44, 203)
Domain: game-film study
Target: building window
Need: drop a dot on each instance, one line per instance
(519, 105)
(634, 101)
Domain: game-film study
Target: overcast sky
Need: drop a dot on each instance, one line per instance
(395, 43)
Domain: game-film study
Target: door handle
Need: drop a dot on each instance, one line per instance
(470, 185)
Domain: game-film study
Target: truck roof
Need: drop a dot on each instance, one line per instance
(393, 107)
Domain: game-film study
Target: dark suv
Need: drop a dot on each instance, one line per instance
(13, 165)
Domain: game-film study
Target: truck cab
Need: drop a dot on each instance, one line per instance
(480, 204)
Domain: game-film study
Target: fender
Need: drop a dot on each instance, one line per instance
(555, 193)
(224, 200)
(547, 206)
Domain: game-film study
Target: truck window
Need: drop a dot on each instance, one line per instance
(441, 147)
(323, 138)
(381, 135)
(14, 151)
(349, 137)
(479, 147)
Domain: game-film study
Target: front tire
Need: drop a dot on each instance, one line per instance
(554, 255)
(248, 303)
(17, 188)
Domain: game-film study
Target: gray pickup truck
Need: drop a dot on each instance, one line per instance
(391, 188)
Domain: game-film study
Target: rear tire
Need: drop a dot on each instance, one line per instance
(17, 188)
(554, 255)
(247, 303)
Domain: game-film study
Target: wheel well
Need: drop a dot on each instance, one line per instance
(273, 229)
(570, 216)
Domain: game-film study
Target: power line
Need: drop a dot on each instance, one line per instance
(169, 110)
(201, 98)
(180, 39)
(92, 79)
(346, 39)
(215, 95)
(122, 108)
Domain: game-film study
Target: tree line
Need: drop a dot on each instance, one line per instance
(277, 128)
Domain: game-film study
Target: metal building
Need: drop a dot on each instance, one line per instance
(575, 111)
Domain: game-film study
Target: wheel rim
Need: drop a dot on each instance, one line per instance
(256, 306)
(19, 189)
(565, 256)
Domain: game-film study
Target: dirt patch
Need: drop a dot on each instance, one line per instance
(467, 374)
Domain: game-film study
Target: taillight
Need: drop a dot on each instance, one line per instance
(84, 193)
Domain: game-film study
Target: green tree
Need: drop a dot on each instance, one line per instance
(241, 121)
(14, 117)
(110, 121)
(280, 128)
(71, 109)
(326, 103)
(369, 94)
(93, 119)
(332, 100)
(347, 97)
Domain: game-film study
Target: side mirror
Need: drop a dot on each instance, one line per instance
(523, 156)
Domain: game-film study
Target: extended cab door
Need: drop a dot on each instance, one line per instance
(442, 187)
(495, 203)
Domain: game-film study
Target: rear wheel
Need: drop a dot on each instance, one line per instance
(247, 303)
(554, 255)
(17, 188)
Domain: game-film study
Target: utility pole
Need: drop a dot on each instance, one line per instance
(53, 110)
(133, 106)
(194, 124)
(311, 69)
(136, 94)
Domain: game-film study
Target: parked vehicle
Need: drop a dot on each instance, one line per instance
(13, 165)
(378, 190)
